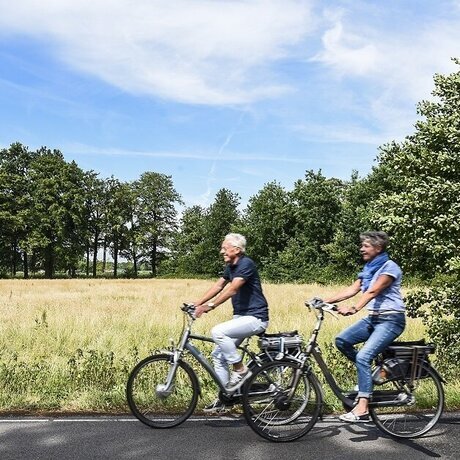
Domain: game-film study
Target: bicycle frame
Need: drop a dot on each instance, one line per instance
(186, 345)
(314, 350)
(380, 398)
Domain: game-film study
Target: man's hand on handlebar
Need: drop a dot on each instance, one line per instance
(200, 309)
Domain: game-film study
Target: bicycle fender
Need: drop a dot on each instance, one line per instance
(437, 374)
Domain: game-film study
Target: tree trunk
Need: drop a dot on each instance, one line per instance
(33, 263)
(135, 265)
(49, 262)
(153, 261)
(87, 258)
(26, 265)
(95, 246)
(104, 255)
(115, 258)
(13, 267)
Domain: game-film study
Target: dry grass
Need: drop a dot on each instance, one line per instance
(68, 344)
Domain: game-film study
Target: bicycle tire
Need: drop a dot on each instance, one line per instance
(274, 409)
(424, 407)
(157, 408)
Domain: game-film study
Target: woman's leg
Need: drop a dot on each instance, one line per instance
(349, 337)
(386, 328)
(383, 330)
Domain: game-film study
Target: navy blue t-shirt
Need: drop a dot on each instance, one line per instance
(249, 300)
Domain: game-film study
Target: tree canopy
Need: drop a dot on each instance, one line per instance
(55, 217)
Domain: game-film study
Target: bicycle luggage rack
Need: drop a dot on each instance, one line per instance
(407, 358)
(283, 342)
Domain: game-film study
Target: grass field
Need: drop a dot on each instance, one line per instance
(68, 345)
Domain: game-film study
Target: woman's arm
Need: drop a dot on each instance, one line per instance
(350, 291)
(381, 283)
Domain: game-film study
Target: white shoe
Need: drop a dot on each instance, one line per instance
(350, 417)
(237, 379)
(216, 407)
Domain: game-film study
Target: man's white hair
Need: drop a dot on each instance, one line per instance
(237, 240)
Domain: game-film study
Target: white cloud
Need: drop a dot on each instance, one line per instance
(345, 51)
(387, 70)
(195, 51)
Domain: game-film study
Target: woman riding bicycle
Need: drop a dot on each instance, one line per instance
(250, 312)
(380, 283)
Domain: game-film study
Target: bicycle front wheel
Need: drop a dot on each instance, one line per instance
(281, 402)
(157, 402)
(421, 406)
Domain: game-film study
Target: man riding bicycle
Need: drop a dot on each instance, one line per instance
(250, 313)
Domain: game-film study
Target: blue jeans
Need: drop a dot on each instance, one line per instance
(378, 332)
(228, 336)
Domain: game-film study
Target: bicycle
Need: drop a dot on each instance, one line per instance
(163, 389)
(408, 403)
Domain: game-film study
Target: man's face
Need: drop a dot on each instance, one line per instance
(229, 252)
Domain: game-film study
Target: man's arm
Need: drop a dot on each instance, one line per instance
(231, 290)
(213, 291)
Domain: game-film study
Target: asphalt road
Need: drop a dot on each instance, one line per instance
(123, 437)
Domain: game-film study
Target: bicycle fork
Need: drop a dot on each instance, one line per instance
(163, 390)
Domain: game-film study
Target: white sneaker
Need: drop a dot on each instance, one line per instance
(237, 379)
(350, 417)
(216, 407)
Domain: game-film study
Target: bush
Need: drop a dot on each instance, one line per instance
(439, 309)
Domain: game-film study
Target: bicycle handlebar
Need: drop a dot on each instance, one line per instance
(189, 308)
(319, 304)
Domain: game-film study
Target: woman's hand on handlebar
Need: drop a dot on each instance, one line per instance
(345, 311)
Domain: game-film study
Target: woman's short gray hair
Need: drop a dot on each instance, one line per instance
(379, 239)
(236, 240)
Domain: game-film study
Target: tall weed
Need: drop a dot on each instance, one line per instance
(69, 345)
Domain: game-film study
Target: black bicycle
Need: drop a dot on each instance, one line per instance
(163, 389)
(407, 404)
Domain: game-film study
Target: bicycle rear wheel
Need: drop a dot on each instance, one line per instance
(155, 404)
(281, 402)
(422, 408)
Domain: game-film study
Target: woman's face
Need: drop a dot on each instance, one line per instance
(368, 252)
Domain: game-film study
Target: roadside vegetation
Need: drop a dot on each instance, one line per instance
(68, 345)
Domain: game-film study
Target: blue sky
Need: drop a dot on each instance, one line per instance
(220, 93)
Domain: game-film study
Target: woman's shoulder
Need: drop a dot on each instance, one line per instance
(390, 267)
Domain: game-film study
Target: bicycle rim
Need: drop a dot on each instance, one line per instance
(423, 408)
(274, 408)
(154, 404)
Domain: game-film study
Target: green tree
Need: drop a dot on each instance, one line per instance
(222, 217)
(15, 206)
(133, 236)
(420, 209)
(157, 215)
(96, 203)
(357, 196)
(316, 204)
(421, 205)
(119, 199)
(56, 210)
(188, 245)
(268, 222)
(74, 220)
